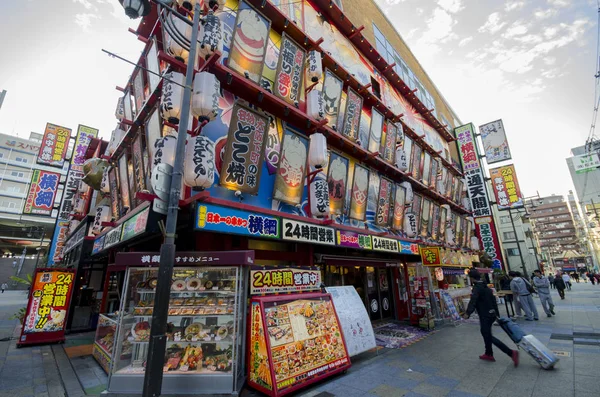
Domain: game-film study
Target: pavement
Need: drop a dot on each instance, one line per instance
(444, 364)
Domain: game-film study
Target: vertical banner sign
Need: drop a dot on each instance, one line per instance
(244, 151)
(54, 145)
(352, 115)
(336, 181)
(84, 136)
(358, 195)
(138, 166)
(399, 199)
(476, 190)
(494, 142)
(383, 203)
(388, 147)
(376, 131)
(113, 183)
(58, 242)
(506, 187)
(332, 95)
(289, 181)
(46, 312)
(288, 78)
(42, 192)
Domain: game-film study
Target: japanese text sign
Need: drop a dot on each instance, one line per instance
(467, 147)
(270, 281)
(306, 232)
(384, 244)
(494, 142)
(113, 237)
(354, 103)
(506, 187)
(42, 192)
(49, 301)
(230, 220)
(290, 71)
(98, 244)
(135, 225)
(430, 256)
(58, 242)
(486, 230)
(54, 145)
(84, 136)
(586, 162)
(244, 150)
(477, 193)
(409, 248)
(353, 240)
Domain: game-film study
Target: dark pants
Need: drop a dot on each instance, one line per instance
(561, 292)
(486, 331)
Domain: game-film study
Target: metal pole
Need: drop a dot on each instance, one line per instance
(37, 258)
(158, 341)
(512, 222)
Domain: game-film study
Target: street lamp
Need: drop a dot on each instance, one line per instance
(136, 8)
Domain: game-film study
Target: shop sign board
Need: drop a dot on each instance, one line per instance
(290, 71)
(112, 237)
(98, 244)
(586, 162)
(409, 248)
(58, 242)
(494, 141)
(353, 240)
(84, 136)
(135, 225)
(231, 220)
(42, 192)
(431, 256)
(75, 238)
(47, 308)
(281, 280)
(306, 232)
(354, 319)
(238, 257)
(506, 187)
(55, 143)
(486, 230)
(384, 244)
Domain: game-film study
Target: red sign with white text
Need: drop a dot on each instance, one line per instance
(486, 230)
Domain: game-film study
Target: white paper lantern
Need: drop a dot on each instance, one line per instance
(205, 99)
(172, 47)
(172, 96)
(409, 192)
(315, 66)
(314, 105)
(319, 198)
(104, 185)
(164, 150)
(464, 184)
(410, 224)
(199, 162)
(211, 35)
(317, 150)
(79, 205)
(120, 111)
(103, 214)
(471, 220)
(475, 244)
(401, 161)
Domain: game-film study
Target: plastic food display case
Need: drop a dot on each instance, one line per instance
(205, 344)
(295, 340)
(104, 340)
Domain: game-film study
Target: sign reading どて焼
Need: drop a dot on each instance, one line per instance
(54, 145)
(269, 281)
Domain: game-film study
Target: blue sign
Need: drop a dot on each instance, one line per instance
(230, 220)
(409, 248)
(98, 244)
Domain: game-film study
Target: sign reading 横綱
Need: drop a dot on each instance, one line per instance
(242, 162)
(54, 145)
(290, 71)
(353, 240)
(306, 232)
(42, 192)
(494, 142)
(230, 220)
(384, 244)
(506, 187)
(280, 280)
(586, 162)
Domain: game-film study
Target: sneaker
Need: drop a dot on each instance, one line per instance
(552, 311)
(528, 319)
(485, 357)
(549, 315)
(515, 357)
(536, 319)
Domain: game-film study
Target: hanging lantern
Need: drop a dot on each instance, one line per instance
(79, 205)
(315, 66)
(475, 244)
(410, 224)
(120, 111)
(216, 5)
(175, 27)
(211, 35)
(205, 99)
(199, 162)
(401, 161)
(464, 185)
(93, 172)
(103, 214)
(172, 96)
(439, 274)
(73, 223)
(104, 185)
(319, 198)
(409, 192)
(450, 237)
(164, 150)
(317, 150)
(471, 220)
(314, 105)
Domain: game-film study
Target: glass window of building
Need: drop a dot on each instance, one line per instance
(512, 251)
(21, 159)
(509, 235)
(505, 219)
(17, 174)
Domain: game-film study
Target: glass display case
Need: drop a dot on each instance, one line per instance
(104, 340)
(205, 344)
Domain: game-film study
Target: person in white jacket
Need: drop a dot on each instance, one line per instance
(543, 287)
(567, 279)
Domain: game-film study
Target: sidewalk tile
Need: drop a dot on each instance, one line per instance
(554, 392)
(431, 390)
(586, 383)
(458, 393)
(443, 381)
(403, 383)
(388, 391)
(413, 394)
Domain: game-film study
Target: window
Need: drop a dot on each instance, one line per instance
(8, 204)
(505, 219)
(509, 236)
(21, 159)
(512, 251)
(17, 174)
(13, 189)
(1, 155)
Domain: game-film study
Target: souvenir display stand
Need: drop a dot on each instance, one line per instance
(105, 340)
(205, 344)
(295, 340)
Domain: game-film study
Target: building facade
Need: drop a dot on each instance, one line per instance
(518, 243)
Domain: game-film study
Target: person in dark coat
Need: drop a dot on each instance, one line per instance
(560, 285)
(551, 279)
(484, 301)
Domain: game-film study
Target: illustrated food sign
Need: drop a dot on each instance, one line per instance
(494, 142)
(280, 280)
(289, 181)
(42, 192)
(431, 256)
(288, 79)
(242, 162)
(48, 303)
(54, 145)
(307, 233)
(506, 187)
(586, 163)
(336, 181)
(230, 220)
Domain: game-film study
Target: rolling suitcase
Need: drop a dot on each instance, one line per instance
(512, 329)
(540, 353)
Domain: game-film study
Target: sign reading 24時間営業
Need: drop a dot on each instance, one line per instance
(230, 220)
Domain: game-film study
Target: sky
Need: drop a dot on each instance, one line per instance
(530, 63)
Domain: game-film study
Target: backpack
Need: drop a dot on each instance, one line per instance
(530, 287)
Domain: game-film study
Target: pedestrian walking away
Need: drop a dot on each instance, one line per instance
(543, 287)
(4, 286)
(523, 289)
(484, 302)
(567, 279)
(592, 278)
(560, 285)
(551, 280)
(576, 277)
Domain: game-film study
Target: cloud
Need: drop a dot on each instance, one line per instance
(452, 6)
(516, 29)
(514, 5)
(560, 3)
(465, 41)
(86, 3)
(439, 31)
(85, 20)
(493, 24)
(544, 14)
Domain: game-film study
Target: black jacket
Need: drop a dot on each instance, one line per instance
(559, 283)
(483, 300)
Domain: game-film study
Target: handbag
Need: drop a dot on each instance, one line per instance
(530, 287)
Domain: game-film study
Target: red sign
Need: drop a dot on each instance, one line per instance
(506, 187)
(54, 145)
(486, 231)
(42, 192)
(431, 256)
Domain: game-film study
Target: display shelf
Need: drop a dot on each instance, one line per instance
(104, 349)
(190, 315)
(203, 371)
(197, 342)
(206, 291)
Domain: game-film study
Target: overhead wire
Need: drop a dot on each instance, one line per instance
(591, 136)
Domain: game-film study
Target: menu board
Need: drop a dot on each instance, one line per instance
(358, 332)
(304, 342)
